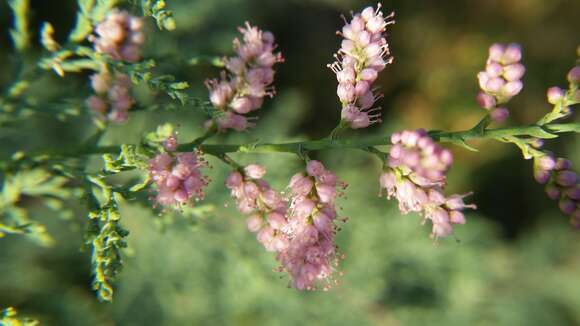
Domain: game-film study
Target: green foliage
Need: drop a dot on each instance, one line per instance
(157, 10)
(20, 33)
(36, 184)
(47, 37)
(9, 317)
(90, 13)
(105, 237)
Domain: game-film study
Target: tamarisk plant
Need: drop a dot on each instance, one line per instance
(299, 227)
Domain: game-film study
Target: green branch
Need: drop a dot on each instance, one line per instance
(456, 137)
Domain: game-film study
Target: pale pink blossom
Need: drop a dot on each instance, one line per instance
(177, 176)
(363, 54)
(311, 256)
(112, 99)
(248, 80)
(120, 36)
(415, 174)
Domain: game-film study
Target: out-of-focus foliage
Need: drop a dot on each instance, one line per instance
(9, 317)
(515, 261)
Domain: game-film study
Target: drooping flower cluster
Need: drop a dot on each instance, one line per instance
(120, 36)
(501, 79)
(302, 235)
(249, 77)
(112, 99)
(311, 256)
(177, 175)
(265, 207)
(363, 54)
(415, 175)
(562, 184)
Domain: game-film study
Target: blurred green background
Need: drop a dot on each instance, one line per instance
(516, 261)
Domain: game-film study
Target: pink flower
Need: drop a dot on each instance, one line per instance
(266, 207)
(562, 184)
(363, 54)
(177, 176)
(113, 96)
(310, 257)
(415, 176)
(120, 36)
(247, 81)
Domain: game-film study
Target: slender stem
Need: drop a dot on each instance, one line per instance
(546, 131)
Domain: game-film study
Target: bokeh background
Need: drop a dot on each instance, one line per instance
(516, 261)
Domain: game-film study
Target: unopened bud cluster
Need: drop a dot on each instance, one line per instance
(562, 100)
(249, 77)
(363, 54)
(112, 99)
(177, 176)
(562, 184)
(501, 79)
(415, 174)
(120, 36)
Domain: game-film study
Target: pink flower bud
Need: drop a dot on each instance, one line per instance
(563, 164)
(346, 75)
(573, 193)
(552, 191)
(369, 74)
(514, 72)
(512, 88)
(499, 115)
(234, 180)
(241, 105)
(493, 69)
(456, 217)
(304, 208)
(255, 171)
(441, 230)
(97, 104)
(486, 101)
(567, 206)
(496, 52)
(574, 75)
(276, 220)
(315, 168)
(566, 178)
(494, 85)
(254, 223)
(326, 193)
(361, 88)
(555, 95)
(346, 92)
(300, 184)
(512, 54)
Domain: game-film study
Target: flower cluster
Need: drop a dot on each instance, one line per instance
(112, 100)
(363, 54)
(266, 208)
(415, 175)
(120, 35)
(302, 235)
(562, 184)
(177, 175)
(311, 255)
(559, 97)
(249, 79)
(501, 79)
